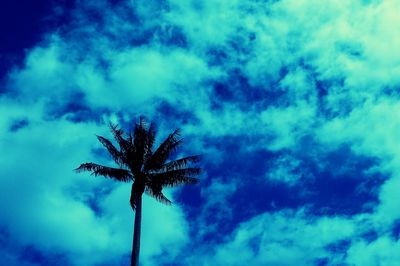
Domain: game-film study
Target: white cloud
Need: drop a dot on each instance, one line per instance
(382, 251)
(287, 125)
(349, 47)
(281, 238)
(285, 169)
(46, 73)
(204, 23)
(164, 228)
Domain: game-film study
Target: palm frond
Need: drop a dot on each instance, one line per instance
(180, 163)
(140, 141)
(114, 152)
(175, 177)
(151, 137)
(158, 158)
(124, 144)
(114, 173)
(156, 193)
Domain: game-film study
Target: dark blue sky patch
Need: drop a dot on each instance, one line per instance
(23, 24)
(125, 260)
(339, 246)
(216, 56)
(338, 161)
(254, 194)
(257, 196)
(333, 195)
(189, 197)
(97, 195)
(395, 230)
(250, 199)
(19, 124)
(237, 89)
(77, 112)
(370, 236)
(236, 160)
(128, 32)
(322, 88)
(392, 91)
(221, 227)
(34, 255)
(28, 253)
(11, 247)
(75, 109)
(321, 262)
(254, 243)
(168, 112)
(224, 91)
(340, 182)
(93, 203)
(160, 258)
(4, 237)
(331, 183)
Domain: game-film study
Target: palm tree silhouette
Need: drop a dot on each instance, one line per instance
(149, 170)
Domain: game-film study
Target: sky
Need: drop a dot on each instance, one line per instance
(294, 105)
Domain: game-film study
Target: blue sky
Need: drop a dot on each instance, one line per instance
(294, 104)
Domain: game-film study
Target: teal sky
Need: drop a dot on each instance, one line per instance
(295, 105)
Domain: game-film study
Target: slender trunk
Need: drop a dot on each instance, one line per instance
(136, 231)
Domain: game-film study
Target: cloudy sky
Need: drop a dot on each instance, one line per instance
(294, 104)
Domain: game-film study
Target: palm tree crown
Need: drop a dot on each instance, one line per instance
(149, 169)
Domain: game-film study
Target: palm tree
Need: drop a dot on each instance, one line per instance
(149, 170)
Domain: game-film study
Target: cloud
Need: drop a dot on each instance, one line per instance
(51, 207)
(280, 238)
(164, 228)
(272, 95)
(384, 251)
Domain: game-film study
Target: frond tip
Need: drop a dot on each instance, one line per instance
(156, 193)
(118, 133)
(114, 173)
(114, 152)
(180, 163)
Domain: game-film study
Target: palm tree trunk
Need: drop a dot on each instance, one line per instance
(136, 231)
